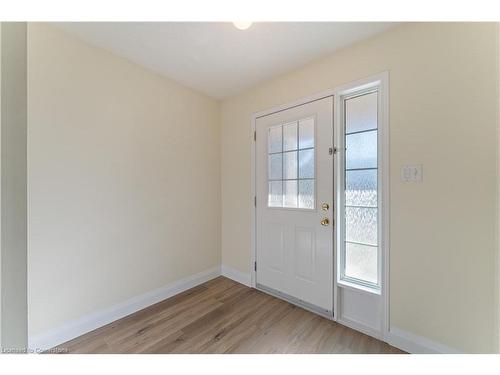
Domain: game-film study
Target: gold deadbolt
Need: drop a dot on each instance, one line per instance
(325, 206)
(325, 222)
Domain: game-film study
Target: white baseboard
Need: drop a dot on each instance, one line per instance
(415, 344)
(360, 327)
(78, 327)
(401, 339)
(238, 276)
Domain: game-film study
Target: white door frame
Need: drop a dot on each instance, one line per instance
(382, 81)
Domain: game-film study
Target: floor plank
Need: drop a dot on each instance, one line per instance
(222, 316)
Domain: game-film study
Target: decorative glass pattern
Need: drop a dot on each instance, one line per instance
(290, 193)
(361, 188)
(290, 136)
(360, 251)
(306, 163)
(361, 225)
(275, 166)
(306, 133)
(291, 165)
(306, 194)
(361, 262)
(275, 139)
(275, 193)
(361, 150)
(361, 113)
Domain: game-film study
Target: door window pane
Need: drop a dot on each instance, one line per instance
(290, 136)
(361, 150)
(361, 225)
(306, 133)
(361, 188)
(275, 139)
(290, 193)
(275, 196)
(361, 113)
(361, 262)
(275, 166)
(306, 163)
(291, 164)
(306, 194)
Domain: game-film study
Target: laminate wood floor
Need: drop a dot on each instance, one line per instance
(222, 316)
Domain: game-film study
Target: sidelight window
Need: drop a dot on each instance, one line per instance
(360, 260)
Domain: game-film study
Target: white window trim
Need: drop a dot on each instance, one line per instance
(382, 81)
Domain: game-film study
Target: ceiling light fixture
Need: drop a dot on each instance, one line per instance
(242, 25)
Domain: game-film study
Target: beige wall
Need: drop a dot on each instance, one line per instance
(13, 187)
(497, 261)
(123, 181)
(0, 182)
(443, 114)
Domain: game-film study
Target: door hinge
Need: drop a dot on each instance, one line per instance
(254, 135)
(255, 201)
(255, 266)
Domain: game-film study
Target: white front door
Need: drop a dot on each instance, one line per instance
(294, 185)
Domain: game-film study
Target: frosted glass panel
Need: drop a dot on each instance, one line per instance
(306, 194)
(361, 113)
(275, 166)
(306, 164)
(361, 188)
(275, 139)
(290, 165)
(290, 193)
(290, 136)
(306, 133)
(275, 196)
(361, 262)
(361, 225)
(361, 150)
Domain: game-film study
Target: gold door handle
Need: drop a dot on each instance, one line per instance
(325, 222)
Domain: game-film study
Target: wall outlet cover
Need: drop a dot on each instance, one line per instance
(412, 173)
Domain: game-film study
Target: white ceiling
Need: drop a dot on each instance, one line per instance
(215, 57)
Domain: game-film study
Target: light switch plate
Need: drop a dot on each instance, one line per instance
(412, 173)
